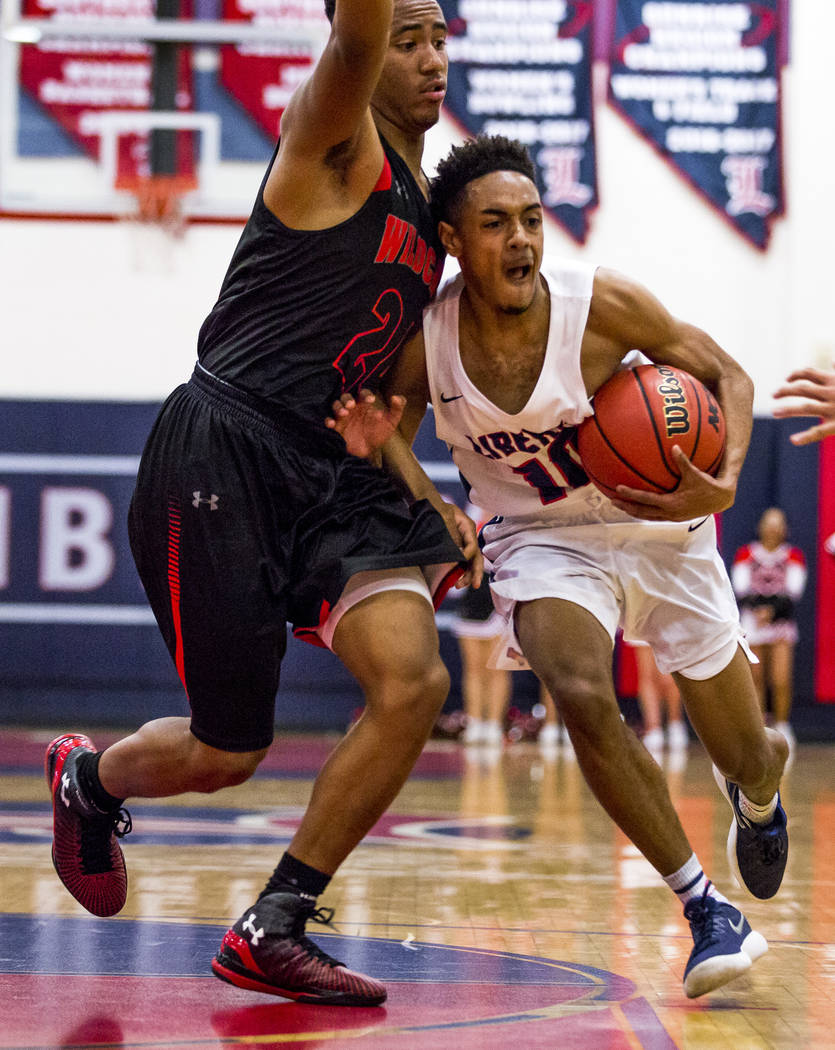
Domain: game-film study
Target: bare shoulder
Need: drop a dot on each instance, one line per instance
(620, 302)
(626, 313)
(623, 316)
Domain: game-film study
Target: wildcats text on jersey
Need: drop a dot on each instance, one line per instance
(401, 243)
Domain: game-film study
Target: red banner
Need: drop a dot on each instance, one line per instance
(74, 79)
(262, 77)
(825, 589)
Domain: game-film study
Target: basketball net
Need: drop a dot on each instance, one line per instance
(159, 200)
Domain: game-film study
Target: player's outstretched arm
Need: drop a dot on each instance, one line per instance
(624, 315)
(409, 378)
(816, 388)
(330, 154)
(362, 422)
(369, 420)
(329, 106)
(403, 465)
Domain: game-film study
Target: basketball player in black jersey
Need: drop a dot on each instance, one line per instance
(248, 513)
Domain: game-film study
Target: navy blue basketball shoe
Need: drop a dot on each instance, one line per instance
(757, 853)
(724, 945)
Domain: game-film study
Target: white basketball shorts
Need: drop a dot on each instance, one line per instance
(664, 583)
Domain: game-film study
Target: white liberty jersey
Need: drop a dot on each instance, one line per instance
(517, 464)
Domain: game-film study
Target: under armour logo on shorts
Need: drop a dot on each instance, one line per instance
(198, 499)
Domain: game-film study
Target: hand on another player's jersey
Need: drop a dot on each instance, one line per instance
(697, 495)
(818, 388)
(366, 422)
(464, 531)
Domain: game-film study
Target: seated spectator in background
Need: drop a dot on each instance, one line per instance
(658, 695)
(817, 388)
(553, 733)
(769, 577)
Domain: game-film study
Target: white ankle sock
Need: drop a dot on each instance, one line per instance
(755, 813)
(690, 882)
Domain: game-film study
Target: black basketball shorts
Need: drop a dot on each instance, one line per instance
(245, 518)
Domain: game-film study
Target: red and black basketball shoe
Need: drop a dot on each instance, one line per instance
(85, 848)
(267, 951)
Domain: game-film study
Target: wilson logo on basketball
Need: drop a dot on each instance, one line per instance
(640, 415)
(676, 416)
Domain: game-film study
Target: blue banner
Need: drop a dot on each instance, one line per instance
(523, 70)
(700, 82)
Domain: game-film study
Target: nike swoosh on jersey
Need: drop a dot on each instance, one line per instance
(446, 399)
(691, 527)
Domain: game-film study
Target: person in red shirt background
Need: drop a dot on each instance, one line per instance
(769, 577)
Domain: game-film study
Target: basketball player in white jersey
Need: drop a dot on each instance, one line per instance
(510, 356)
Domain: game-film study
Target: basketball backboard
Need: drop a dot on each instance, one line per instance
(80, 98)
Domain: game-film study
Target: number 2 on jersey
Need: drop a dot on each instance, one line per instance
(368, 351)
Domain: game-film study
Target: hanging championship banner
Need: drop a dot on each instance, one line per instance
(700, 81)
(263, 76)
(522, 68)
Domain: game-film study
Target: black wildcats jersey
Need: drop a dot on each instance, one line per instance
(306, 315)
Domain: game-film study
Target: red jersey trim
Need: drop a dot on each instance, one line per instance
(384, 181)
(446, 585)
(311, 634)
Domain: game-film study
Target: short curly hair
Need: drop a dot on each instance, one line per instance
(469, 161)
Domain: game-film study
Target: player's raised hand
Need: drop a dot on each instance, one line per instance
(366, 422)
(696, 496)
(817, 388)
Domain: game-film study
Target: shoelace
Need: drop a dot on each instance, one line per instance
(772, 846)
(705, 923)
(769, 840)
(95, 840)
(323, 916)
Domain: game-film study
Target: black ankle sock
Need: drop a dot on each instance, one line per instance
(295, 875)
(88, 780)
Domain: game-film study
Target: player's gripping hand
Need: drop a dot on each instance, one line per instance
(697, 495)
(818, 388)
(366, 422)
(465, 533)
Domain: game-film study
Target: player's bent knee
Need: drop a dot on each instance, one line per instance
(211, 770)
(410, 695)
(429, 688)
(585, 704)
(750, 766)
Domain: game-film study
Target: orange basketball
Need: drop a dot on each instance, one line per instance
(639, 414)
